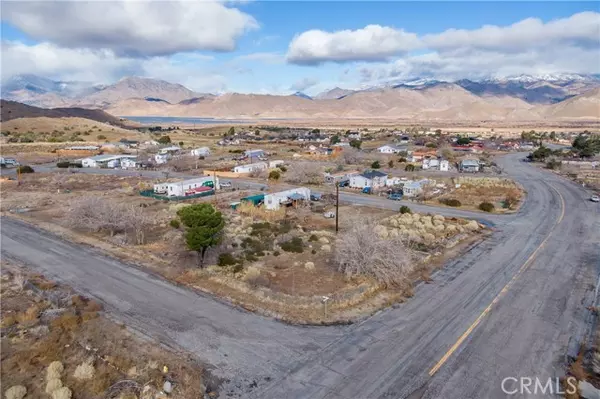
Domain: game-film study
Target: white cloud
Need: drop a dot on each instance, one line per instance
(304, 83)
(104, 66)
(569, 44)
(580, 30)
(132, 28)
(372, 43)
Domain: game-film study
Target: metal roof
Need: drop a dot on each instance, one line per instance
(469, 162)
(102, 158)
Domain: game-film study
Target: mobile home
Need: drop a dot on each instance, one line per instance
(187, 187)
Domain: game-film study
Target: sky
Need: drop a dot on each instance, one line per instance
(281, 47)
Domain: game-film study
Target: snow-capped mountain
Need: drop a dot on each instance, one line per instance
(555, 77)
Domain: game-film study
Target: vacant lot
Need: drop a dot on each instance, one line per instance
(57, 344)
(279, 263)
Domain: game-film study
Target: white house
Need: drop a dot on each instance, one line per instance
(201, 152)
(391, 149)
(469, 165)
(393, 181)
(170, 150)
(275, 200)
(162, 158)
(187, 187)
(251, 167)
(110, 161)
(129, 163)
(429, 163)
(339, 177)
(444, 165)
(373, 179)
(414, 188)
(254, 153)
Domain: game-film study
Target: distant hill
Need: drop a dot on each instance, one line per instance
(13, 110)
(333, 94)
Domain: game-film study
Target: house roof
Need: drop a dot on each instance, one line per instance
(103, 158)
(296, 196)
(469, 162)
(373, 174)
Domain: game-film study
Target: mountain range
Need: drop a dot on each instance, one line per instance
(524, 97)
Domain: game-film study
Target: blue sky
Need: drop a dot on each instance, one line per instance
(272, 47)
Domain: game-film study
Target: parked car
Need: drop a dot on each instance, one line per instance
(315, 196)
(595, 198)
(329, 215)
(225, 184)
(366, 190)
(394, 197)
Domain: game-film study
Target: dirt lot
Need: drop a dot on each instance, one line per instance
(57, 344)
(504, 194)
(278, 263)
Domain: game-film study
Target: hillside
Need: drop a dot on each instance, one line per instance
(443, 101)
(584, 106)
(13, 110)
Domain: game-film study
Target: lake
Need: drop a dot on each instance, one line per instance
(168, 120)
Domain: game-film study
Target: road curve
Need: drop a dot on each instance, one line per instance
(550, 245)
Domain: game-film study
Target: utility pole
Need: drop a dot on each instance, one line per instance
(19, 175)
(337, 205)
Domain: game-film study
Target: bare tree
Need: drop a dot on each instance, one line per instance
(304, 172)
(350, 156)
(361, 252)
(100, 214)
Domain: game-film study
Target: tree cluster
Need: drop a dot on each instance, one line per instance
(586, 146)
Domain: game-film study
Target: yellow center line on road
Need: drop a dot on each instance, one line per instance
(529, 260)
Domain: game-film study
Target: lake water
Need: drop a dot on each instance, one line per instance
(167, 120)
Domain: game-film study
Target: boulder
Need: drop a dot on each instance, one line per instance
(309, 266)
(326, 248)
(15, 392)
(324, 240)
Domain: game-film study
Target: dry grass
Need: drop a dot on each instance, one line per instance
(260, 213)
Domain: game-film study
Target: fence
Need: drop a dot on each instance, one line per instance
(152, 194)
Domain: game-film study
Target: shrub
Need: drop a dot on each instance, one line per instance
(250, 257)
(62, 393)
(52, 385)
(164, 140)
(486, 206)
(175, 223)
(15, 392)
(391, 163)
(54, 370)
(314, 251)
(85, 371)
(282, 168)
(409, 168)
(293, 245)
(274, 175)
(313, 238)
(101, 137)
(25, 169)
(451, 202)
(276, 253)
(404, 209)
(63, 164)
(227, 259)
(553, 164)
(375, 165)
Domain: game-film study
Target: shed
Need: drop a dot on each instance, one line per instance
(274, 201)
(187, 187)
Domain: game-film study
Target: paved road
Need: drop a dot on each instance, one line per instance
(535, 270)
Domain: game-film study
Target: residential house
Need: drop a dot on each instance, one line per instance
(254, 154)
(419, 155)
(106, 161)
(340, 177)
(160, 159)
(129, 163)
(187, 187)
(430, 163)
(274, 201)
(174, 149)
(251, 167)
(413, 188)
(444, 165)
(373, 179)
(354, 136)
(129, 143)
(391, 149)
(201, 152)
(394, 181)
(469, 165)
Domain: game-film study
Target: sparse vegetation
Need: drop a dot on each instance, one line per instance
(227, 259)
(450, 202)
(293, 245)
(274, 175)
(174, 223)
(25, 169)
(409, 168)
(405, 209)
